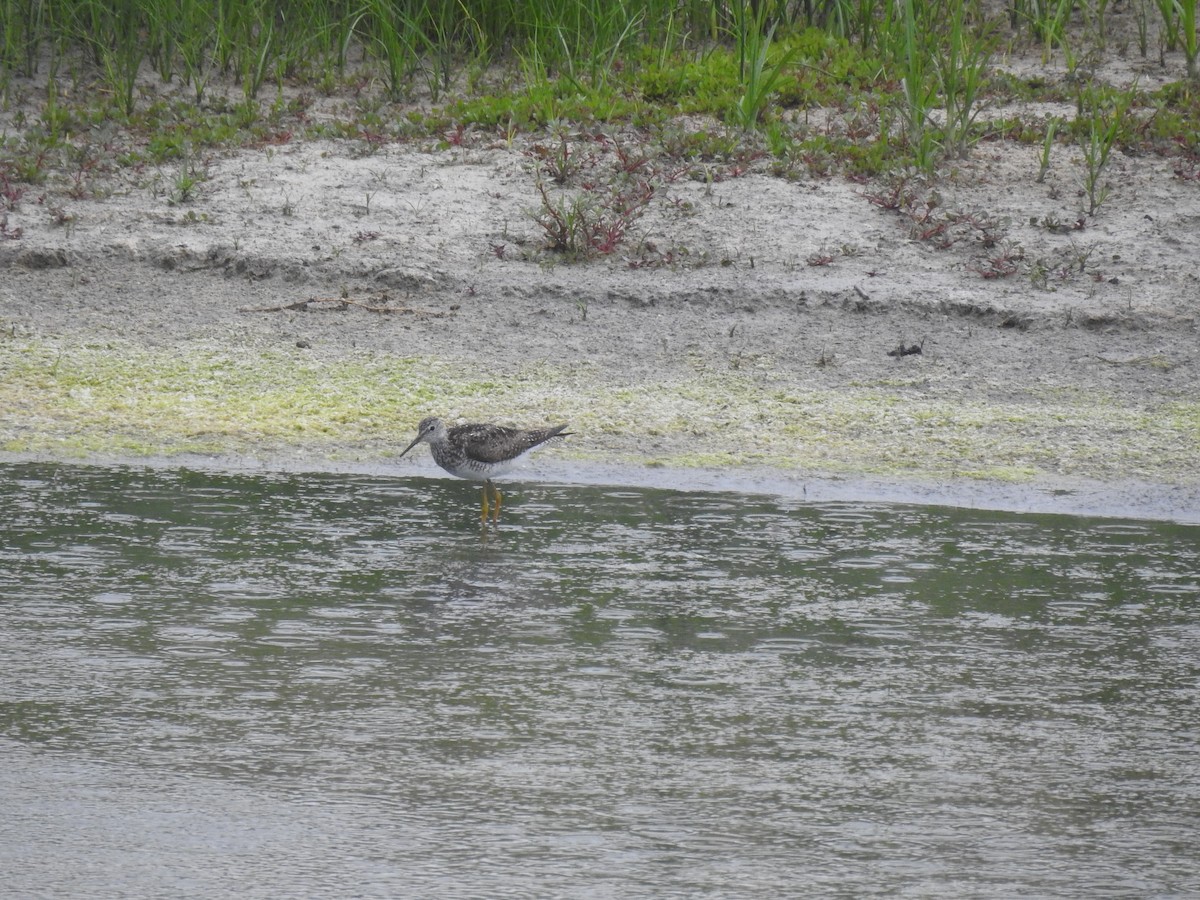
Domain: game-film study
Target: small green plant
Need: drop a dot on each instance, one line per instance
(1187, 24)
(1103, 120)
(1169, 33)
(10, 194)
(940, 56)
(1039, 275)
(960, 61)
(117, 43)
(568, 222)
(561, 160)
(930, 220)
(188, 179)
(191, 35)
(1095, 15)
(920, 91)
(1047, 145)
(185, 186)
(583, 225)
(1141, 21)
(758, 78)
(391, 43)
(1002, 263)
(1047, 21)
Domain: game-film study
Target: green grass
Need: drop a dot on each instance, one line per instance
(516, 66)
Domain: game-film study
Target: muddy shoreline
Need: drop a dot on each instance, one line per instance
(310, 303)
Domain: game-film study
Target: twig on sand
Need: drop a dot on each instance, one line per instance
(378, 304)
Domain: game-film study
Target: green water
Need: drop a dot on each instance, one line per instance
(311, 685)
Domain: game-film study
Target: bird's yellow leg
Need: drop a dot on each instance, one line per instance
(484, 514)
(496, 496)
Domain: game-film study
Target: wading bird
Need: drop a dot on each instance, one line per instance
(481, 452)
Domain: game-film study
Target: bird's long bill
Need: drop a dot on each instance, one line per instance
(416, 441)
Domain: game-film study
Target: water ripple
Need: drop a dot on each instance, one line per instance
(266, 685)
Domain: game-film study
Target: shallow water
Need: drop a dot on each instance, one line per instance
(328, 685)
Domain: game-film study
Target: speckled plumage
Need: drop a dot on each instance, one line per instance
(481, 451)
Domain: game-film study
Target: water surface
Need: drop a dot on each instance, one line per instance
(218, 684)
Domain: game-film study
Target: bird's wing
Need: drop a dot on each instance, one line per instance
(497, 443)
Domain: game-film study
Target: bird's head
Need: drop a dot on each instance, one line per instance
(426, 431)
